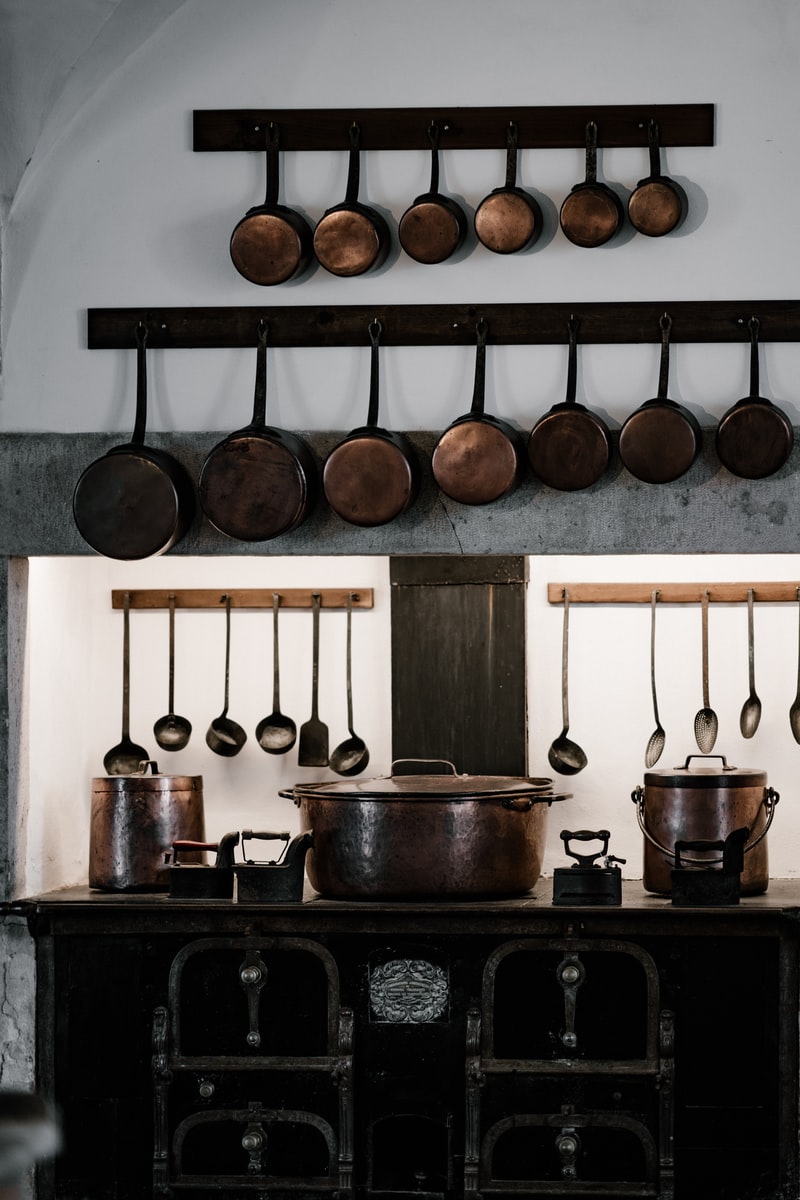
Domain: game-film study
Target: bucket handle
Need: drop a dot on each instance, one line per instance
(771, 798)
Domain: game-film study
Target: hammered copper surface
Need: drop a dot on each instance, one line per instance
(368, 480)
(569, 448)
(754, 440)
(590, 215)
(658, 444)
(348, 242)
(655, 208)
(267, 249)
(475, 462)
(506, 222)
(133, 504)
(254, 487)
(134, 821)
(416, 848)
(430, 231)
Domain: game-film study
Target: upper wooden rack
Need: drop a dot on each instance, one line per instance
(539, 127)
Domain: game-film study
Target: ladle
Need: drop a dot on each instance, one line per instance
(657, 738)
(705, 722)
(223, 735)
(124, 758)
(172, 732)
(751, 709)
(794, 711)
(564, 755)
(276, 733)
(351, 755)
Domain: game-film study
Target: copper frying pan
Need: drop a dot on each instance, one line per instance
(755, 437)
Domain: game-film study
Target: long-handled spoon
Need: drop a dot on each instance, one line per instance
(124, 758)
(751, 709)
(277, 733)
(351, 755)
(657, 738)
(794, 711)
(565, 756)
(312, 748)
(172, 732)
(705, 722)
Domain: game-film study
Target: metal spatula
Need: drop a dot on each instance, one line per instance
(312, 745)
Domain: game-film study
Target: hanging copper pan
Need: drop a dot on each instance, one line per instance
(272, 243)
(592, 213)
(372, 476)
(259, 482)
(569, 448)
(135, 501)
(661, 439)
(434, 226)
(754, 438)
(479, 458)
(351, 238)
(509, 218)
(657, 204)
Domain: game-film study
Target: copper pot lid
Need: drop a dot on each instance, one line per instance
(152, 782)
(718, 775)
(430, 787)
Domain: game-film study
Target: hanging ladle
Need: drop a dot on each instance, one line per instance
(276, 733)
(705, 722)
(657, 738)
(125, 757)
(223, 735)
(564, 755)
(351, 755)
(172, 732)
(751, 709)
(794, 711)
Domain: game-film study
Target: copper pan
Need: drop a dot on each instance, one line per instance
(434, 226)
(509, 218)
(479, 458)
(351, 237)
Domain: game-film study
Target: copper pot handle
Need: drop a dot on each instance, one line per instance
(771, 798)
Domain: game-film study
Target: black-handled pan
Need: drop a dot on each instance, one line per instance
(661, 439)
(372, 476)
(569, 448)
(592, 213)
(509, 218)
(479, 458)
(434, 226)
(351, 237)
(272, 243)
(260, 481)
(754, 438)
(658, 204)
(135, 501)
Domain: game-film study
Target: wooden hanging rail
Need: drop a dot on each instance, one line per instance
(214, 598)
(444, 324)
(672, 593)
(539, 127)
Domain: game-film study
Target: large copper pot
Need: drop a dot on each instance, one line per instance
(704, 803)
(134, 821)
(414, 836)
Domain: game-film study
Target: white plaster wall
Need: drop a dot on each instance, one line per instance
(118, 210)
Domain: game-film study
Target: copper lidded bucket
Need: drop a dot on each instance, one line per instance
(704, 803)
(134, 821)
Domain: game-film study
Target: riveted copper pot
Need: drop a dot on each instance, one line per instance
(704, 802)
(405, 836)
(135, 819)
